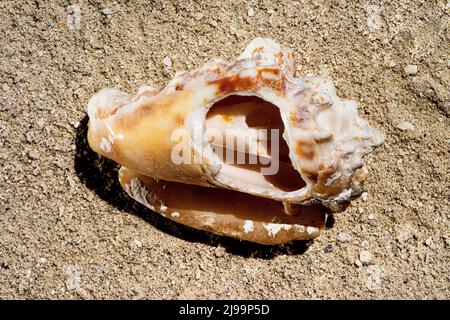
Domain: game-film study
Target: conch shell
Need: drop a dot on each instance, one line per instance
(172, 165)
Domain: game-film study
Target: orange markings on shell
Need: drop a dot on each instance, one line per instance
(163, 105)
(227, 118)
(311, 175)
(299, 116)
(179, 120)
(237, 83)
(305, 150)
(279, 56)
(257, 51)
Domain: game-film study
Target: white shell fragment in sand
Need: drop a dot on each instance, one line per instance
(301, 147)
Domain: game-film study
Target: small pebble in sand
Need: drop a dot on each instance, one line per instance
(371, 216)
(238, 32)
(73, 281)
(391, 64)
(343, 237)
(219, 251)
(358, 263)
(410, 70)
(373, 281)
(2, 126)
(429, 241)
(107, 12)
(250, 12)
(40, 123)
(405, 126)
(136, 243)
(328, 248)
(29, 275)
(73, 21)
(167, 62)
(198, 16)
(374, 19)
(365, 196)
(29, 135)
(33, 154)
(365, 256)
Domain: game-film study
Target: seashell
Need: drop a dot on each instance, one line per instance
(300, 146)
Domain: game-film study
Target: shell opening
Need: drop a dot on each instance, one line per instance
(246, 135)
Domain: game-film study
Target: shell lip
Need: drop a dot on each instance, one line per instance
(226, 212)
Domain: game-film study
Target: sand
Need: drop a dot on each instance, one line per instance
(68, 231)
